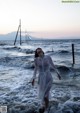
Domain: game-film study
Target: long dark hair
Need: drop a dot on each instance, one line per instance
(36, 54)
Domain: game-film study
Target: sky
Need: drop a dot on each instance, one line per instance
(41, 18)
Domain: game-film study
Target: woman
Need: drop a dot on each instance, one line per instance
(43, 63)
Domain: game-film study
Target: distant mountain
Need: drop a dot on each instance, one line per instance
(9, 36)
(12, 35)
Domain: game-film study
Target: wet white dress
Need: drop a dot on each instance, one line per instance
(45, 80)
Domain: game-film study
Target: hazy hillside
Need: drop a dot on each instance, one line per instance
(12, 35)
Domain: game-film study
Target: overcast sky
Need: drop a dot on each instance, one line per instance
(43, 18)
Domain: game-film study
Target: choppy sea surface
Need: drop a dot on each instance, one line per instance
(17, 65)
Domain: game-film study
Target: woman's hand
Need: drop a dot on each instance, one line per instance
(33, 82)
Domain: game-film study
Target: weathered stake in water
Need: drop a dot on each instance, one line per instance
(73, 56)
(19, 28)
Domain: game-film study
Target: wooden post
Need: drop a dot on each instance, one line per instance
(25, 36)
(19, 28)
(20, 33)
(16, 35)
(73, 56)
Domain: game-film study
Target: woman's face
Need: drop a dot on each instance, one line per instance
(39, 52)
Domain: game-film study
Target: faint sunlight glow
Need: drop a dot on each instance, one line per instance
(45, 18)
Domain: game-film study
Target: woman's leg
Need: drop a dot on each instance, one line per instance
(46, 96)
(44, 105)
(46, 100)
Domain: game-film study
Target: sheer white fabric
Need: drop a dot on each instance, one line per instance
(42, 66)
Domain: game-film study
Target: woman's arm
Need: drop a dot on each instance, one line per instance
(53, 67)
(35, 72)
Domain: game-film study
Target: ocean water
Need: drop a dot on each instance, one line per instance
(17, 64)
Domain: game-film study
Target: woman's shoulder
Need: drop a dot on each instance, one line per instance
(35, 59)
(47, 56)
